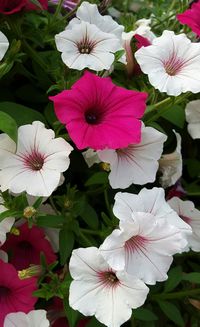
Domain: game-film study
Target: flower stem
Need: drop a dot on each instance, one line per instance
(175, 295)
(59, 7)
(163, 107)
(107, 203)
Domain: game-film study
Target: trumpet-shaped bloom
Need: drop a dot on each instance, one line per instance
(98, 114)
(35, 318)
(4, 44)
(27, 247)
(84, 45)
(35, 165)
(171, 165)
(189, 214)
(190, 17)
(137, 163)
(90, 39)
(172, 63)
(15, 294)
(150, 201)
(98, 290)
(192, 112)
(143, 246)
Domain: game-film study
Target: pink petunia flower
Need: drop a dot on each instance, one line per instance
(98, 114)
(190, 17)
(15, 294)
(27, 247)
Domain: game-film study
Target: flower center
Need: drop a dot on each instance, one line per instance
(108, 278)
(85, 46)
(136, 243)
(4, 291)
(25, 245)
(173, 65)
(92, 117)
(34, 161)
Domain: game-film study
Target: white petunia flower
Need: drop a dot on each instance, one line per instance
(35, 318)
(171, 165)
(188, 213)
(100, 291)
(172, 63)
(143, 246)
(5, 224)
(4, 44)
(138, 163)
(150, 201)
(85, 45)
(35, 165)
(192, 112)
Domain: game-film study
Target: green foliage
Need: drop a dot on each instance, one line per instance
(172, 312)
(8, 126)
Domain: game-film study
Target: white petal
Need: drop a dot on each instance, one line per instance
(35, 318)
(5, 227)
(172, 63)
(4, 44)
(170, 165)
(89, 13)
(188, 213)
(192, 112)
(91, 157)
(16, 319)
(138, 163)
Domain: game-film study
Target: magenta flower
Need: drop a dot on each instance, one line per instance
(190, 17)
(27, 247)
(15, 294)
(98, 114)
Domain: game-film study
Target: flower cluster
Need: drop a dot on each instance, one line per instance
(99, 164)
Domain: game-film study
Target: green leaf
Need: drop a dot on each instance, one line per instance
(98, 178)
(93, 322)
(10, 213)
(71, 314)
(172, 312)
(144, 314)
(176, 116)
(21, 114)
(174, 278)
(8, 126)
(66, 243)
(192, 277)
(90, 217)
(52, 221)
(193, 167)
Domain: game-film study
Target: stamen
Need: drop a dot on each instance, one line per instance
(108, 278)
(33, 160)
(173, 65)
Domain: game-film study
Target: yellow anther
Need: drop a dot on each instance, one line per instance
(105, 166)
(15, 231)
(29, 212)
